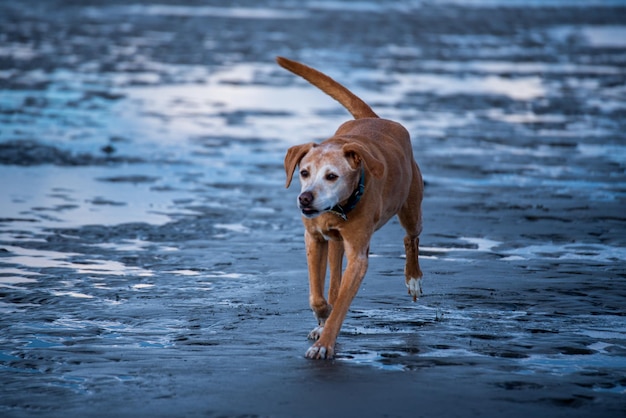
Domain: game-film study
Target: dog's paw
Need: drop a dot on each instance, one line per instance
(319, 352)
(316, 333)
(415, 288)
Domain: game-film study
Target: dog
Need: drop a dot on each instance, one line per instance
(351, 185)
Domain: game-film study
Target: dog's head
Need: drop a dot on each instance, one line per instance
(329, 173)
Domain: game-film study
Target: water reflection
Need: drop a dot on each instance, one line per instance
(147, 240)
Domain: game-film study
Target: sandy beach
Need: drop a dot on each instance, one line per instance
(152, 262)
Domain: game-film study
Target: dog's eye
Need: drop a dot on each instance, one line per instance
(304, 174)
(331, 177)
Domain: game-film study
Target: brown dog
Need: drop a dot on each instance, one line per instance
(352, 184)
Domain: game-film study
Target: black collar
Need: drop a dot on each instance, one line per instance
(355, 197)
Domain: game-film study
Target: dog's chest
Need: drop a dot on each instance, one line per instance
(332, 235)
(326, 233)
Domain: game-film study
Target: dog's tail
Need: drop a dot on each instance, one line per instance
(357, 107)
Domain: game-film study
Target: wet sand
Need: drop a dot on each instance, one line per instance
(152, 263)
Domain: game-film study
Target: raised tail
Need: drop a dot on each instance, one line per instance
(357, 107)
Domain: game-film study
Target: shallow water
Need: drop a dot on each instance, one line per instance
(149, 253)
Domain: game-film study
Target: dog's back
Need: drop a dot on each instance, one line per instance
(357, 107)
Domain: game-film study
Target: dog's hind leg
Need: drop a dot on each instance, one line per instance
(412, 272)
(411, 219)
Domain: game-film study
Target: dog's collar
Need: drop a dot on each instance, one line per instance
(353, 200)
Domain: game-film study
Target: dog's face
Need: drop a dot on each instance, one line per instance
(326, 179)
(329, 173)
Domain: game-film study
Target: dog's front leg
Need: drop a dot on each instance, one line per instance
(335, 260)
(317, 257)
(324, 348)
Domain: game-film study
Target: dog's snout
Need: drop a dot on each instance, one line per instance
(306, 199)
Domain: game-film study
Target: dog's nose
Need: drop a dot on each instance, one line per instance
(305, 199)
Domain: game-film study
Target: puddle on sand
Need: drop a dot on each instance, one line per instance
(600, 36)
(195, 11)
(530, 342)
(11, 281)
(576, 251)
(39, 259)
(580, 251)
(53, 197)
(521, 88)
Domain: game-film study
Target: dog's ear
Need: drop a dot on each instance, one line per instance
(293, 157)
(355, 153)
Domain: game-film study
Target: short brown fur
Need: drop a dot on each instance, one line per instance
(329, 173)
